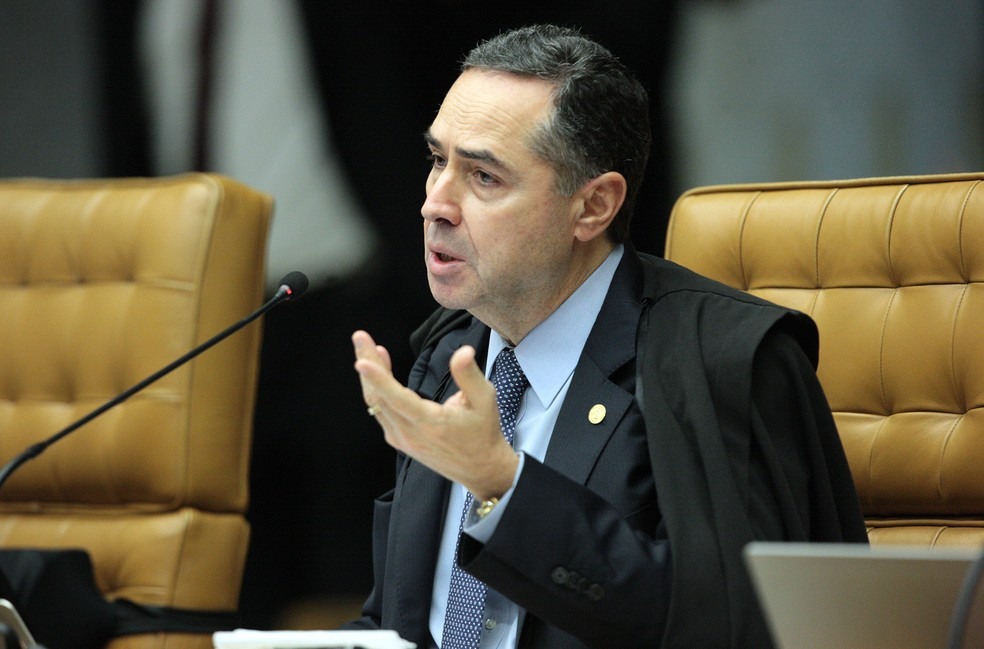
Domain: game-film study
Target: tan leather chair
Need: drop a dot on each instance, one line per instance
(892, 271)
(102, 283)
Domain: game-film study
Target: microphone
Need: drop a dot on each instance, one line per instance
(292, 286)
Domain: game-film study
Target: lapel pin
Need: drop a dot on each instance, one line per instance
(597, 413)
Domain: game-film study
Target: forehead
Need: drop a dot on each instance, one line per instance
(492, 110)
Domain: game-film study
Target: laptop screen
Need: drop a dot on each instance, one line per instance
(821, 596)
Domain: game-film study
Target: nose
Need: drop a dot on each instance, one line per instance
(441, 203)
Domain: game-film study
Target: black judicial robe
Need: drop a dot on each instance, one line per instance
(629, 534)
(743, 446)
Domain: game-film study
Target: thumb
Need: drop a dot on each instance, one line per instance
(475, 388)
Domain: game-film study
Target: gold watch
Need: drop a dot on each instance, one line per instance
(485, 507)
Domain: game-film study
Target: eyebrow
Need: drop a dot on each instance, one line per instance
(482, 155)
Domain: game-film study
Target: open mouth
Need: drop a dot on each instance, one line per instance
(441, 256)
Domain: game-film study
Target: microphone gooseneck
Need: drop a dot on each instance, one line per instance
(292, 286)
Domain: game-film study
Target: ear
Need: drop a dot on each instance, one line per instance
(602, 198)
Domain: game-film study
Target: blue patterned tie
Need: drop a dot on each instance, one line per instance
(466, 596)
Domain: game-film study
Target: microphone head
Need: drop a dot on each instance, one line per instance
(294, 284)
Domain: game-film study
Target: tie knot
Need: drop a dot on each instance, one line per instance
(510, 384)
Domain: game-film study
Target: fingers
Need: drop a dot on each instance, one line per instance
(373, 364)
(459, 438)
(366, 348)
(385, 397)
(475, 388)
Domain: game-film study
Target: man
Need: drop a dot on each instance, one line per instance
(663, 420)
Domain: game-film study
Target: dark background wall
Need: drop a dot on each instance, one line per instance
(322, 104)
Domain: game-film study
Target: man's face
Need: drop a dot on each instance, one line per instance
(498, 239)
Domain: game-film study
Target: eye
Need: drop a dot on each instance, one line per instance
(485, 178)
(436, 161)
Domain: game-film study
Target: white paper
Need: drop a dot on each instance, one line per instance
(248, 639)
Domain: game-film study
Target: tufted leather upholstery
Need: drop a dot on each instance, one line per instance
(102, 283)
(892, 271)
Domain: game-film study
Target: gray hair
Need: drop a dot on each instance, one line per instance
(601, 112)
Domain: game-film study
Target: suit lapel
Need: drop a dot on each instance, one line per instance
(418, 518)
(420, 515)
(595, 405)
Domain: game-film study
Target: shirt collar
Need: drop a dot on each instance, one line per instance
(549, 353)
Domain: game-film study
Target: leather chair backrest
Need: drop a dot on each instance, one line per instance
(892, 271)
(102, 283)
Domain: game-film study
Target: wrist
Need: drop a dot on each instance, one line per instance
(498, 483)
(484, 516)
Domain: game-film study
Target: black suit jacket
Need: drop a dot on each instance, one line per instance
(583, 545)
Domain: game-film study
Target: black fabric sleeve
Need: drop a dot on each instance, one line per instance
(569, 558)
(800, 484)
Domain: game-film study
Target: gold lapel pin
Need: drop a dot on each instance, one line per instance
(597, 413)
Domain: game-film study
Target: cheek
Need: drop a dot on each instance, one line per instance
(554, 226)
(533, 246)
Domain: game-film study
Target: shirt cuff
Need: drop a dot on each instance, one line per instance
(481, 529)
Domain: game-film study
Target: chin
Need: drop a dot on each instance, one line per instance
(449, 302)
(447, 296)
